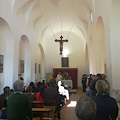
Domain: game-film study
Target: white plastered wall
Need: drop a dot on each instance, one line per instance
(109, 12)
(115, 43)
(18, 29)
(2, 52)
(7, 50)
(38, 62)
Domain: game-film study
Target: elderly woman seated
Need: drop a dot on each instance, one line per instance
(19, 107)
(107, 108)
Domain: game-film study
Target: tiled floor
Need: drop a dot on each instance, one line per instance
(68, 113)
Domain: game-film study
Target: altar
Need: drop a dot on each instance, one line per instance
(72, 73)
(69, 83)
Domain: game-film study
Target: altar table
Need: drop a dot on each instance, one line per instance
(69, 83)
(72, 72)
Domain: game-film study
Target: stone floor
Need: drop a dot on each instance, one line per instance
(68, 113)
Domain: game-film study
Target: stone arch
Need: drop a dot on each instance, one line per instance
(7, 50)
(99, 42)
(25, 55)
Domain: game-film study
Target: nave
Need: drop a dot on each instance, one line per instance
(68, 113)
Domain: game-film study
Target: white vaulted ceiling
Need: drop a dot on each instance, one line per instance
(49, 17)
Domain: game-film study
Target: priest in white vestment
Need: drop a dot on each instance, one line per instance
(59, 76)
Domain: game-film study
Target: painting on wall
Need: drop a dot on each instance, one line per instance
(1, 63)
(35, 67)
(65, 61)
(21, 66)
(39, 68)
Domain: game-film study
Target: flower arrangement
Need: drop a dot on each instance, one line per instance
(116, 91)
(66, 76)
(19, 75)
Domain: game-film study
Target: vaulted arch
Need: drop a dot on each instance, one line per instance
(7, 50)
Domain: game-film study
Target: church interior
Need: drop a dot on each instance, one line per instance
(29, 28)
(31, 45)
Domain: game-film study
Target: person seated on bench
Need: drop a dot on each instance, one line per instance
(18, 104)
(3, 113)
(29, 93)
(50, 97)
(5, 95)
(39, 97)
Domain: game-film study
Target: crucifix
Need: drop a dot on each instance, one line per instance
(61, 43)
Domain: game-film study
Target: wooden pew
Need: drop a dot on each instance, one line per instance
(46, 119)
(34, 118)
(41, 111)
(36, 102)
(36, 109)
(3, 108)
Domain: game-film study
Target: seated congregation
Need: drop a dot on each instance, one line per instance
(23, 103)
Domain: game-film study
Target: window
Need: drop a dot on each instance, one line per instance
(91, 17)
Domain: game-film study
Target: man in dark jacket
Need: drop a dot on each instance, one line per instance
(92, 87)
(84, 80)
(50, 97)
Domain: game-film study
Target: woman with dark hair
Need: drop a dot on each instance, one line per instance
(39, 97)
(38, 88)
(33, 86)
(3, 113)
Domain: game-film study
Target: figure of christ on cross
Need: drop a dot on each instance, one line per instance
(61, 44)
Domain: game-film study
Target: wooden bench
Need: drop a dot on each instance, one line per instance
(46, 119)
(41, 111)
(34, 118)
(3, 108)
(36, 102)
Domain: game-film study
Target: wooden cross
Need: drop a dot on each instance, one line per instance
(61, 44)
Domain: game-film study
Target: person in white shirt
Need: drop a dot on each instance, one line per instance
(63, 91)
(61, 88)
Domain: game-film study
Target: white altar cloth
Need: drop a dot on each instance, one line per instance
(69, 83)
